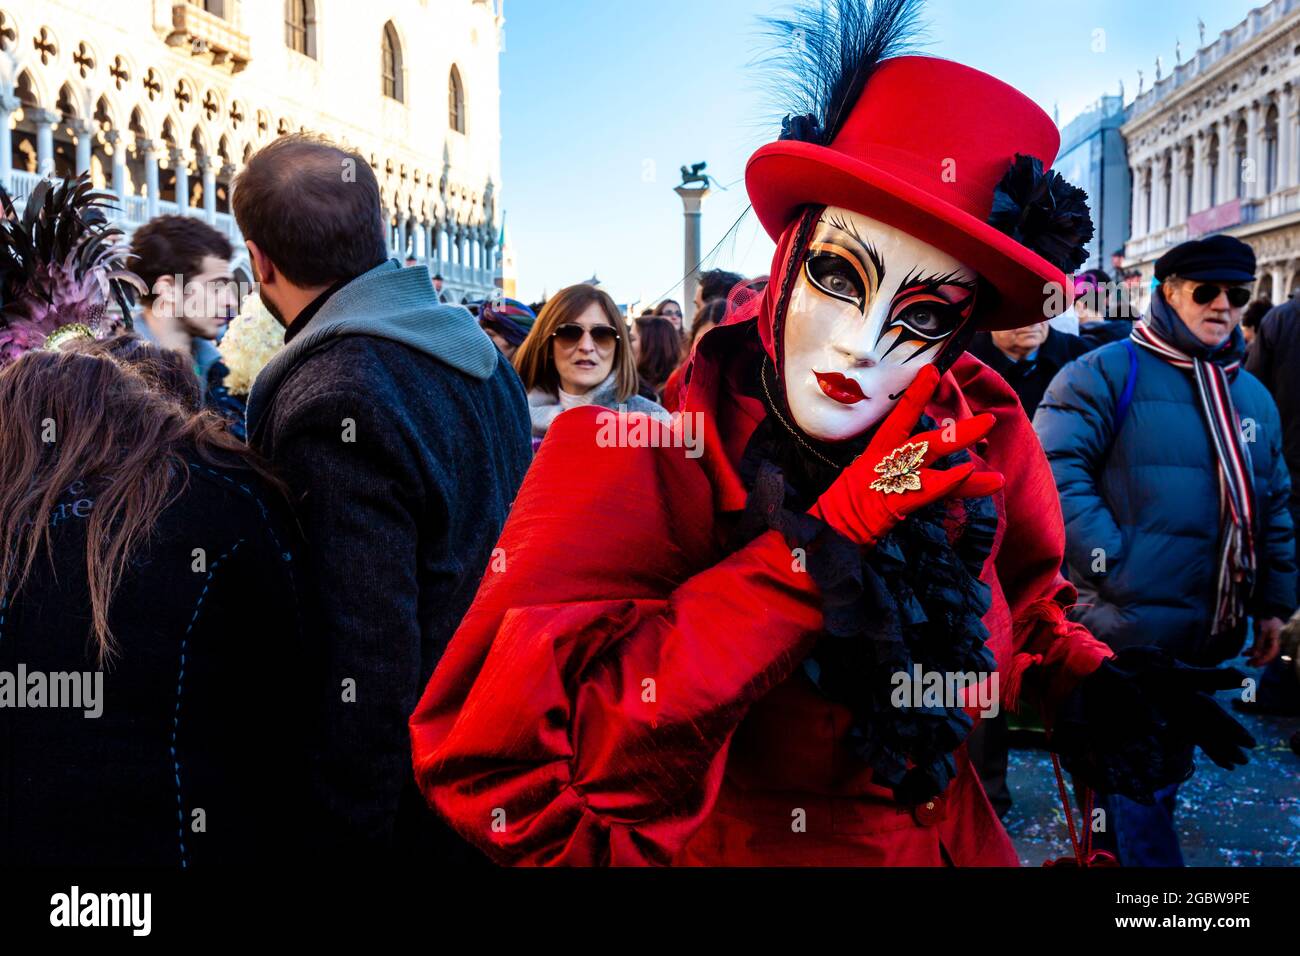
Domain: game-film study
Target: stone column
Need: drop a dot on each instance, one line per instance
(117, 143)
(45, 121)
(403, 217)
(8, 104)
(208, 170)
(1278, 272)
(229, 171)
(1200, 172)
(85, 139)
(1135, 202)
(692, 212)
(1227, 163)
(181, 164)
(1177, 193)
(1286, 137)
(148, 152)
(428, 241)
(1254, 182)
(1159, 208)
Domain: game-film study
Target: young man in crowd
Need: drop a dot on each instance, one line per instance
(1168, 459)
(185, 264)
(715, 284)
(403, 436)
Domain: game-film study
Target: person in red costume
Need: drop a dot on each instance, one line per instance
(692, 660)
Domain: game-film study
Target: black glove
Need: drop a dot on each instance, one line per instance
(1130, 727)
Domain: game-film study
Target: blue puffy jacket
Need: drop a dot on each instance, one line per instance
(1141, 508)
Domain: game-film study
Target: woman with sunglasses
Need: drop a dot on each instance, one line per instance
(669, 309)
(579, 353)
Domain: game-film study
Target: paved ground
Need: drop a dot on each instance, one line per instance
(1247, 817)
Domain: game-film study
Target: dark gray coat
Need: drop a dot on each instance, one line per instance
(404, 440)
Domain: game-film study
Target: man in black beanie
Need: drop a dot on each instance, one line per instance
(1168, 458)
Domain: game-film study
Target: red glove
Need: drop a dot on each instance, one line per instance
(865, 514)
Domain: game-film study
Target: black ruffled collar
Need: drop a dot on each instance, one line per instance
(915, 599)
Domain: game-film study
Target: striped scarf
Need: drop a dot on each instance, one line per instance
(1236, 486)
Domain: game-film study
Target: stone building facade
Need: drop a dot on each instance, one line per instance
(1213, 147)
(164, 100)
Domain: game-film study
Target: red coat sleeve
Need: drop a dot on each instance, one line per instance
(1050, 652)
(582, 712)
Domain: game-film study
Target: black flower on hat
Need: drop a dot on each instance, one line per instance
(1043, 212)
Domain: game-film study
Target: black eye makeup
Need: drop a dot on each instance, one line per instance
(836, 272)
(927, 310)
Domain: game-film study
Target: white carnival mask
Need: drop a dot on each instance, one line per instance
(870, 307)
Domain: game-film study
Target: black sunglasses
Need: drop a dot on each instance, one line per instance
(571, 334)
(1207, 292)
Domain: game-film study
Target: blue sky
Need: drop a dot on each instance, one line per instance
(603, 100)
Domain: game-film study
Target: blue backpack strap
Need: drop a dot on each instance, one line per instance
(1126, 396)
(1122, 405)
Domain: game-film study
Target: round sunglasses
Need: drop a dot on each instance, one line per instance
(570, 333)
(1207, 292)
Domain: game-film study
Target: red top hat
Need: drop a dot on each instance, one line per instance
(923, 150)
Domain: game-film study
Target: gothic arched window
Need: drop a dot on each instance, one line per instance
(300, 26)
(455, 101)
(391, 63)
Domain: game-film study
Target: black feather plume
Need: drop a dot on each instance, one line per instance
(826, 51)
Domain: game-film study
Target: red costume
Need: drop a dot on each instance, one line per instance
(635, 686)
(614, 575)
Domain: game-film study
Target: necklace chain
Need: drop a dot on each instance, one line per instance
(780, 418)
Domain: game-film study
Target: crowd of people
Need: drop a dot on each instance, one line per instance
(278, 583)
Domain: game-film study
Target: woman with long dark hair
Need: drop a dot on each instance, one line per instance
(659, 353)
(148, 620)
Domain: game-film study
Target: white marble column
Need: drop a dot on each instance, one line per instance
(1227, 161)
(8, 104)
(1255, 151)
(1177, 193)
(180, 161)
(45, 121)
(148, 153)
(1200, 173)
(117, 143)
(85, 139)
(1135, 201)
(229, 171)
(1159, 209)
(1287, 138)
(208, 170)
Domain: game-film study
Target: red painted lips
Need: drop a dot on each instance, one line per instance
(836, 386)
